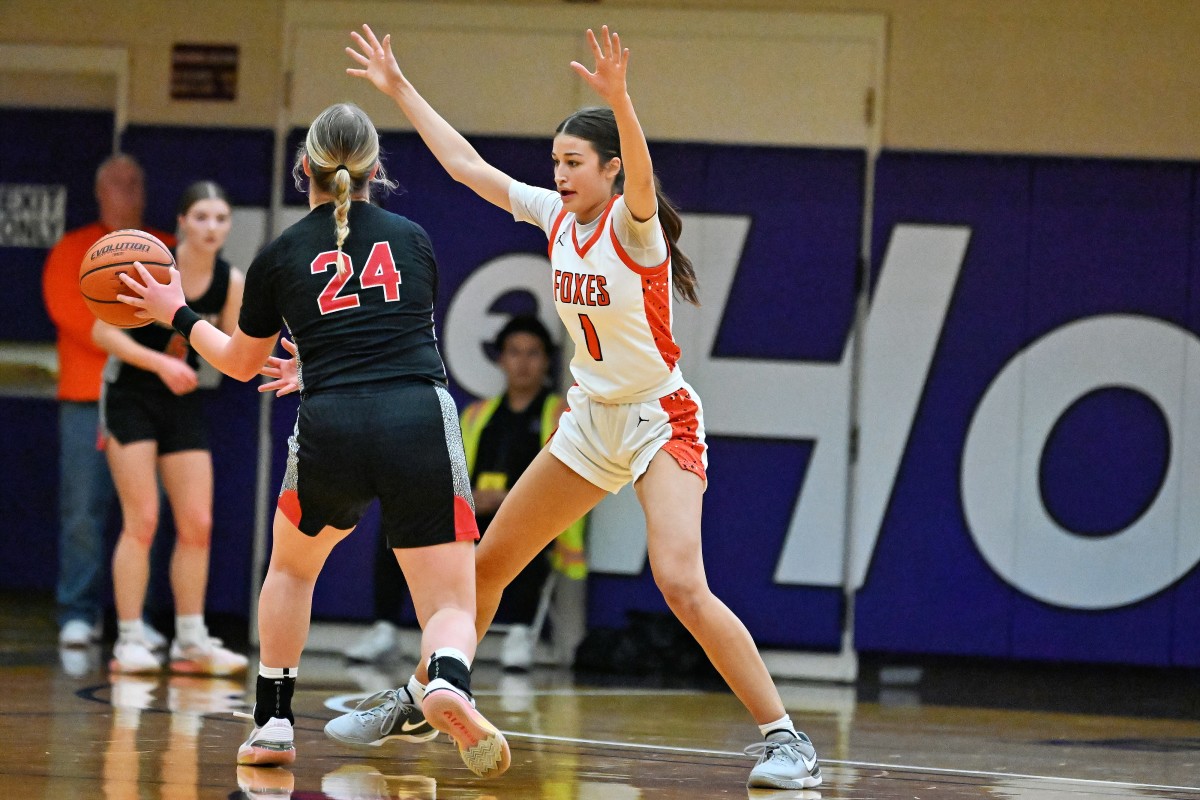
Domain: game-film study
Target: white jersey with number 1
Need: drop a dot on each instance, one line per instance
(617, 311)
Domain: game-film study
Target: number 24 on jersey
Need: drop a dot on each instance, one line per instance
(380, 272)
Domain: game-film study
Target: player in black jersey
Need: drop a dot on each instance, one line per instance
(356, 286)
(153, 422)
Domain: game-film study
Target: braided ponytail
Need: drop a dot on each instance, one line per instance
(342, 147)
(341, 212)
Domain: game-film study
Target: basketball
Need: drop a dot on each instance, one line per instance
(113, 255)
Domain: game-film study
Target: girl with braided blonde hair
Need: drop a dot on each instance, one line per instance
(375, 422)
(340, 156)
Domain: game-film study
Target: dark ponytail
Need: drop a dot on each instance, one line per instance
(599, 127)
(683, 273)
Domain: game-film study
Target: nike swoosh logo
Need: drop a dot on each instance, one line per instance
(809, 765)
(407, 726)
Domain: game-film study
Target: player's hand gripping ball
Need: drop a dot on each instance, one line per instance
(112, 255)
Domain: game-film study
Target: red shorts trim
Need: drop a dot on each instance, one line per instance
(466, 529)
(684, 446)
(289, 504)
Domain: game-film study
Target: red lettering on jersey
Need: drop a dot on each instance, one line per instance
(603, 299)
(381, 271)
(330, 299)
(581, 289)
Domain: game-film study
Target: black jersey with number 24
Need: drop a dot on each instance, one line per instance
(370, 322)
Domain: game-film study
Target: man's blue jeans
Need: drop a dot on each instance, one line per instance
(85, 497)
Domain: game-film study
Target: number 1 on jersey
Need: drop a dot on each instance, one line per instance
(589, 336)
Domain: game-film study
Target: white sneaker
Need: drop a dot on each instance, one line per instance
(784, 762)
(206, 657)
(382, 638)
(151, 636)
(77, 633)
(516, 654)
(132, 656)
(271, 745)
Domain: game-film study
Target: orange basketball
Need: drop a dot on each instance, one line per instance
(111, 255)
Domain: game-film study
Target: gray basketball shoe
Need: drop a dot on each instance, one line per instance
(784, 762)
(390, 714)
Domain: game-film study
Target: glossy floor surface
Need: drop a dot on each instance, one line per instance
(70, 730)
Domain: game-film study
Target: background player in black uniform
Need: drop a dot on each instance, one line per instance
(154, 426)
(356, 286)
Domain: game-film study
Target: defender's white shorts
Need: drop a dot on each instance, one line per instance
(612, 444)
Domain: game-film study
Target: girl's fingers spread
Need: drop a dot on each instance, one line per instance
(359, 57)
(371, 36)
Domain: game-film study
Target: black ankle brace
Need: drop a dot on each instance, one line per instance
(452, 671)
(273, 698)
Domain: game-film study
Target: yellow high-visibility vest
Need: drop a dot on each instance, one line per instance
(567, 556)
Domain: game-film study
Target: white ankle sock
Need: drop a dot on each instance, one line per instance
(783, 724)
(416, 689)
(190, 628)
(130, 631)
(275, 673)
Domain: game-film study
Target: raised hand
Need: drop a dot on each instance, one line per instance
(608, 80)
(379, 64)
(282, 370)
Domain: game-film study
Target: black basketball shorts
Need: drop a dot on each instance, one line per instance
(399, 441)
(137, 414)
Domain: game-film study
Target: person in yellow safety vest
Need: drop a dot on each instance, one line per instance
(501, 435)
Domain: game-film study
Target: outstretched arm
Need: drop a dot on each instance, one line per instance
(608, 81)
(238, 356)
(452, 151)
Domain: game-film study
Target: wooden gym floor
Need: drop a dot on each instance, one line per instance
(69, 730)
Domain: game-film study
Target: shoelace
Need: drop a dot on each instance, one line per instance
(387, 704)
(766, 750)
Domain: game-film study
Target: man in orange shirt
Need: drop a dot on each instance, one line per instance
(85, 486)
